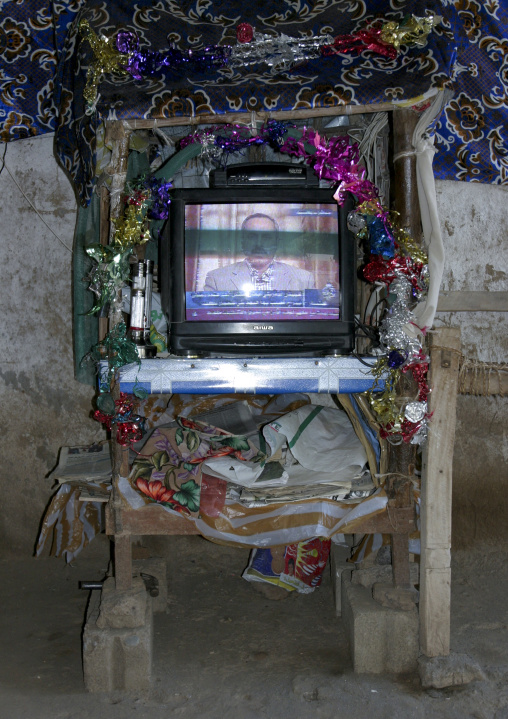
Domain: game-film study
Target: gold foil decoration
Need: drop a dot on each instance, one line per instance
(131, 229)
(106, 58)
(385, 407)
(413, 31)
(410, 247)
(370, 207)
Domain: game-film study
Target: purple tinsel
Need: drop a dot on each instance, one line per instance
(161, 198)
(150, 62)
(336, 161)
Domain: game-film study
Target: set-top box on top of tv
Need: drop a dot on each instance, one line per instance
(253, 174)
(261, 270)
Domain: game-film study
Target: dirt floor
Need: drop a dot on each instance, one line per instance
(223, 650)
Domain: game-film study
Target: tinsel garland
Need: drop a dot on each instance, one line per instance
(394, 260)
(128, 425)
(118, 349)
(145, 200)
(280, 52)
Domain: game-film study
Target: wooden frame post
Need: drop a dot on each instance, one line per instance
(436, 499)
(402, 458)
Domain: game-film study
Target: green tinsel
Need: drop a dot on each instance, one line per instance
(117, 348)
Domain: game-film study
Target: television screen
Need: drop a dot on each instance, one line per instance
(258, 271)
(261, 261)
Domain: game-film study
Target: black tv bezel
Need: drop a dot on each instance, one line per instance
(237, 339)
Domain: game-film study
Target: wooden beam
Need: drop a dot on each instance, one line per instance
(404, 187)
(436, 498)
(104, 239)
(404, 191)
(400, 497)
(118, 133)
(154, 520)
(484, 380)
(260, 115)
(481, 301)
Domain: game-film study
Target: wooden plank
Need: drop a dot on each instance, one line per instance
(436, 498)
(261, 116)
(481, 301)
(153, 519)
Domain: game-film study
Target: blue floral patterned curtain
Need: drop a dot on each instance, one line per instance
(43, 63)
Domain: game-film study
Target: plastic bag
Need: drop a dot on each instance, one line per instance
(294, 567)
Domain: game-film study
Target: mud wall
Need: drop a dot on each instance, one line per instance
(44, 408)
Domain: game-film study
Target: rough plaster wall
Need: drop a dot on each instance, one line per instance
(474, 221)
(43, 408)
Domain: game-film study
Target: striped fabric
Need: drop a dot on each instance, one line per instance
(69, 525)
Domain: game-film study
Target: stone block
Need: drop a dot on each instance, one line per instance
(382, 573)
(395, 597)
(117, 658)
(381, 640)
(154, 567)
(450, 671)
(122, 609)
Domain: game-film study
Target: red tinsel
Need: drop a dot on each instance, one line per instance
(386, 270)
(358, 42)
(408, 429)
(128, 432)
(419, 371)
(128, 426)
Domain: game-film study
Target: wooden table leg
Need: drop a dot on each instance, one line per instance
(400, 560)
(436, 503)
(123, 561)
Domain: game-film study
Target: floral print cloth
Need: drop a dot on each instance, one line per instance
(169, 470)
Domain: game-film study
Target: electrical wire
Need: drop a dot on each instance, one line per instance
(369, 331)
(370, 366)
(372, 311)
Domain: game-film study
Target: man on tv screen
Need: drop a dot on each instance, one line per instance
(259, 270)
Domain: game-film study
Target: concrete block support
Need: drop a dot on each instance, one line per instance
(381, 639)
(118, 639)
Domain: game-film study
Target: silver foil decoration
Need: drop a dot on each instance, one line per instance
(279, 53)
(210, 151)
(415, 411)
(355, 222)
(391, 332)
(420, 436)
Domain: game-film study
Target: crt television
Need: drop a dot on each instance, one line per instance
(258, 271)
